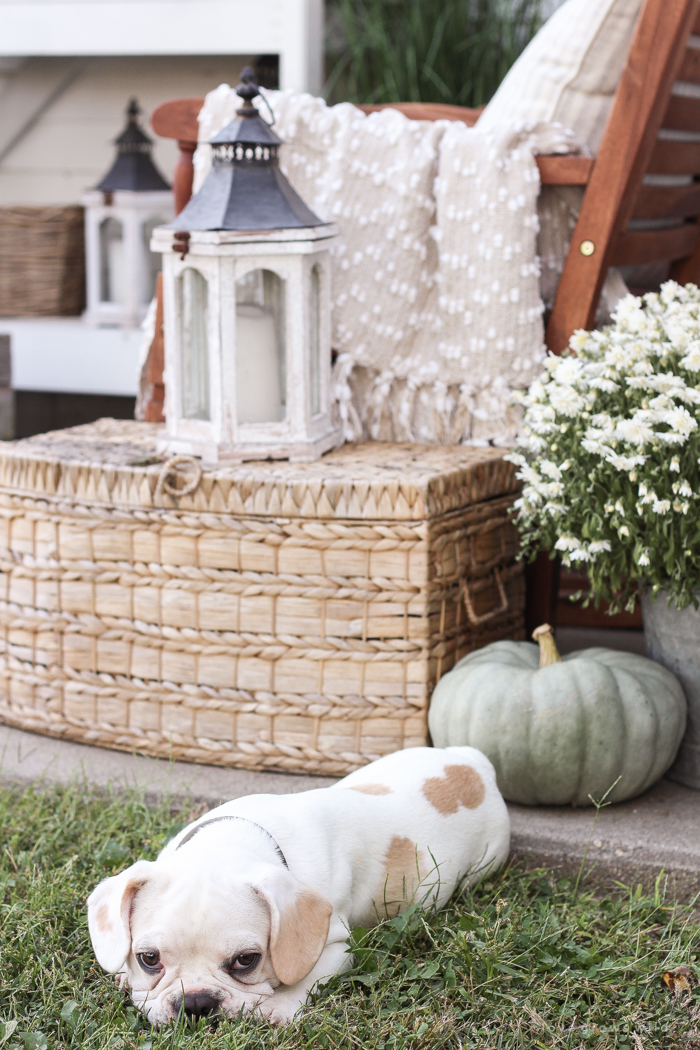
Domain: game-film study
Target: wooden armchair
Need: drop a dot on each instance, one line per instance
(615, 196)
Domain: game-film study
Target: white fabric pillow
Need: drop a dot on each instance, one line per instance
(568, 74)
(570, 71)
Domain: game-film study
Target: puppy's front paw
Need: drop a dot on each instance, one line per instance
(277, 1013)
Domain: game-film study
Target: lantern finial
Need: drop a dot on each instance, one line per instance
(247, 90)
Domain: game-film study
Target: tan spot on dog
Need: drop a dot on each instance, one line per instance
(403, 862)
(459, 784)
(102, 919)
(371, 789)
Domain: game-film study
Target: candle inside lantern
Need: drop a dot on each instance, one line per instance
(260, 393)
(113, 271)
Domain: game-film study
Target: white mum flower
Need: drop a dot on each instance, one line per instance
(566, 400)
(566, 543)
(674, 386)
(625, 462)
(643, 558)
(635, 431)
(661, 506)
(677, 334)
(550, 469)
(691, 361)
(569, 372)
(675, 464)
(606, 385)
(598, 546)
(578, 340)
(595, 447)
(681, 421)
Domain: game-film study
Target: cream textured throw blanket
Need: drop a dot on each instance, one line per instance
(437, 314)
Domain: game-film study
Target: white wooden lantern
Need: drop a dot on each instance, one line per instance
(246, 283)
(120, 216)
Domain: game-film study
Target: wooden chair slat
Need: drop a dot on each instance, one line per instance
(637, 247)
(675, 158)
(690, 66)
(667, 202)
(630, 136)
(565, 171)
(696, 25)
(683, 114)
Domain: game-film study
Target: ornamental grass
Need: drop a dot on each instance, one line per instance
(451, 51)
(526, 960)
(610, 452)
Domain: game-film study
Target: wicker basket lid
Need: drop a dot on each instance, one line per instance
(115, 462)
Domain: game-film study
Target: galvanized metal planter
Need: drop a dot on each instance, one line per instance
(672, 638)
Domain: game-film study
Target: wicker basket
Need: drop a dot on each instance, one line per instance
(279, 616)
(42, 262)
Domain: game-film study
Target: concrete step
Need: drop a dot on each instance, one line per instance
(632, 841)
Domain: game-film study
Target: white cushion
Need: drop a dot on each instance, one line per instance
(570, 70)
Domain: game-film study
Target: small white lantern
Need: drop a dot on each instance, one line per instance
(120, 216)
(246, 299)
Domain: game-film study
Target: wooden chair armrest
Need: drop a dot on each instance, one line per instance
(565, 170)
(428, 111)
(177, 119)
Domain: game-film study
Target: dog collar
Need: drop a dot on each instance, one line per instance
(215, 820)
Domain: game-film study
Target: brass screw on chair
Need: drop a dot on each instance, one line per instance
(587, 248)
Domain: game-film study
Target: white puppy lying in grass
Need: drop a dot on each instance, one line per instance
(250, 906)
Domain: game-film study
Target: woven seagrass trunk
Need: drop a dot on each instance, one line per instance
(42, 262)
(271, 616)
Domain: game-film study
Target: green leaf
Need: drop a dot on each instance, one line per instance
(468, 922)
(112, 855)
(34, 1040)
(6, 1030)
(69, 1013)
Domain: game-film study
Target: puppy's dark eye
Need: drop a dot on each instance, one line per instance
(150, 961)
(244, 962)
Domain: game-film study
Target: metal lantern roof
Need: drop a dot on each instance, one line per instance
(133, 168)
(245, 189)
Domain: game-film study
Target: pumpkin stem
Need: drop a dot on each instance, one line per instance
(549, 654)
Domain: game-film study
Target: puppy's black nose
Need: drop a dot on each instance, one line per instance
(199, 1004)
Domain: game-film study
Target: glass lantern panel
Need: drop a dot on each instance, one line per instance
(315, 339)
(261, 381)
(195, 345)
(153, 260)
(112, 261)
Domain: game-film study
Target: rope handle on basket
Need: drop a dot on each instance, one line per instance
(475, 620)
(170, 470)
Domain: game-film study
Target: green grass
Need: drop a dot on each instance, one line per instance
(454, 51)
(520, 962)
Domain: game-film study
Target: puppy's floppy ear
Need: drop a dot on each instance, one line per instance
(109, 912)
(299, 921)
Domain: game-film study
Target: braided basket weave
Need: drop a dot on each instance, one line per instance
(265, 616)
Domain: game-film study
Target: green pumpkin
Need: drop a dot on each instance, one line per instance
(561, 730)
